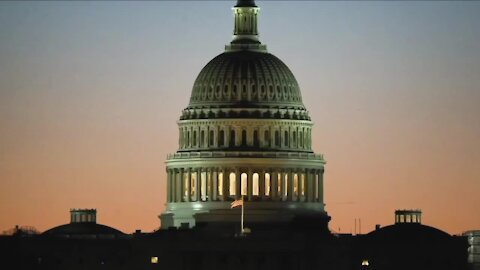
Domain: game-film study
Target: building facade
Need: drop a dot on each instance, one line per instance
(245, 133)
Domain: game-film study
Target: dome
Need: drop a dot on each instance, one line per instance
(83, 229)
(245, 135)
(408, 232)
(246, 79)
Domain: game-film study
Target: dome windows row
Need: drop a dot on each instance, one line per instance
(244, 92)
(209, 137)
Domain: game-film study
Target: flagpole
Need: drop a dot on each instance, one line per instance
(242, 214)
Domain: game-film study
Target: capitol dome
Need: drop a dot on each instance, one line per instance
(245, 135)
(246, 79)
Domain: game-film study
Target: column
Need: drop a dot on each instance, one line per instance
(305, 186)
(290, 195)
(207, 188)
(309, 185)
(274, 185)
(238, 183)
(174, 183)
(250, 185)
(261, 184)
(169, 186)
(198, 187)
(281, 184)
(320, 186)
(180, 186)
(226, 133)
(214, 173)
(226, 184)
(189, 184)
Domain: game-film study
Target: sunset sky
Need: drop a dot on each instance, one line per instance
(90, 93)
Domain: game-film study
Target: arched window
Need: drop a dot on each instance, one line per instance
(300, 137)
(232, 137)
(294, 139)
(279, 184)
(266, 138)
(255, 188)
(267, 184)
(211, 138)
(203, 186)
(193, 186)
(295, 185)
(188, 139)
(221, 138)
(256, 142)
(185, 187)
(302, 185)
(244, 185)
(285, 186)
(220, 184)
(202, 137)
(277, 138)
(194, 138)
(244, 137)
(234, 91)
(286, 138)
(232, 184)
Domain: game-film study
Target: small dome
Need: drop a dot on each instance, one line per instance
(408, 232)
(246, 79)
(83, 223)
(83, 229)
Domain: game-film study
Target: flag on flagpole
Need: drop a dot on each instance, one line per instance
(236, 203)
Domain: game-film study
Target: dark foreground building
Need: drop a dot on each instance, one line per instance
(245, 137)
(84, 244)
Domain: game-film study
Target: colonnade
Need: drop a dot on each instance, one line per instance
(408, 216)
(212, 136)
(246, 21)
(227, 184)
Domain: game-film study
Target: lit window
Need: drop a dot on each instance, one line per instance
(267, 184)
(154, 259)
(255, 187)
(365, 263)
(302, 185)
(295, 184)
(193, 185)
(203, 186)
(185, 186)
(220, 184)
(232, 184)
(244, 183)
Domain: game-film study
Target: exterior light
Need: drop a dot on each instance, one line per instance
(365, 263)
(154, 259)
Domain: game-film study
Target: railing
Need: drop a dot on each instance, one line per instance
(222, 154)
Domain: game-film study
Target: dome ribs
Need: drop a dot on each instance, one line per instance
(247, 79)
